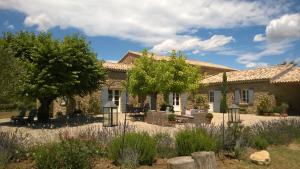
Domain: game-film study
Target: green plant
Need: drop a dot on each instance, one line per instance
(191, 140)
(172, 117)
(164, 145)
(140, 143)
(11, 147)
(278, 132)
(67, 154)
(277, 109)
(209, 115)
(264, 105)
(260, 143)
(163, 106)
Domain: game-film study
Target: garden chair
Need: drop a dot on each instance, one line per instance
(31, 116)
(19, 118)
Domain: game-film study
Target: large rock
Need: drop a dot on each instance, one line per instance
(183, 162)
(261, 158)
(205, 160)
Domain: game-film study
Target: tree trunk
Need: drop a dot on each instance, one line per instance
(154, 101)
(205, 160)
(183, 162)
(141, 100)
(43, 112)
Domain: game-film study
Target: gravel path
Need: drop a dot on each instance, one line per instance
(47, 135)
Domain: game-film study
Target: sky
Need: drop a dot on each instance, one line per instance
(241, 34)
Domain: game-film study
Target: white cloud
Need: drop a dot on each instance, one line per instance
(259, 38)
(8, 26)
(287, 27)
(189, 43)
(149, 22)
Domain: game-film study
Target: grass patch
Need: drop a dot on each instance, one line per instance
(282, 157)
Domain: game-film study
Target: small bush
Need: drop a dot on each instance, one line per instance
(140, 143)
(191, 140)
(264, 106)
(164, 145)
(209, 115)
(278, 132)
(260, 143)
(67, 154)
(172, 117)
(11, 147)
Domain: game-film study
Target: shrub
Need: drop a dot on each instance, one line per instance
(209, 115)
(191, 140)
(278, 132)
(67, 154)
(260, 143)
(11, 147)
(172, 117)
(163, 107)
(237, 139)
(277, 109)
(164, 145)
(264, 105)
(140, 143)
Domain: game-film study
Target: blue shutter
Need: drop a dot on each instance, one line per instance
(251, 96)
(237, 97)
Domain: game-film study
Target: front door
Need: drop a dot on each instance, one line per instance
(114, 95)
(176, 102)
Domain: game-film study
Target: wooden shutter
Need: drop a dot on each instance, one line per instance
(183, 102)
(104, 97)
(123, 101)
(237, 96)
(171, 98)
(251, 96)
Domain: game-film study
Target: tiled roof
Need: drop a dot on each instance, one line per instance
(291, 76)
(192, 62)
(117, 66)
(259, 74)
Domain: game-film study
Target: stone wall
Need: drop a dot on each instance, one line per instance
(261, 89)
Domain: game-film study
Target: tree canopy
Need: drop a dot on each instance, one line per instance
(55, 67)
(150, 76)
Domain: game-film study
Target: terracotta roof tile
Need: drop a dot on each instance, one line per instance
(292, 76)
(192, 62)
(259, 74)
(117, 66)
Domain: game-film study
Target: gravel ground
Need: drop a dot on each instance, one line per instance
(47, 135)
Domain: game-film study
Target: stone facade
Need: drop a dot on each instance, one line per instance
(275, 92)
(117, 75)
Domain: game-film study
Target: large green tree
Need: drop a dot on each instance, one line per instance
(150, 77)
(55, 67)
(11, 72)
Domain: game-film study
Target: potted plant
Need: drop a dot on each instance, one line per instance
(284, 108)
(172, 118)
(209, 117)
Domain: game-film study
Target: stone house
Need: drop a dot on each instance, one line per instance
(113, 90)
(280, 83)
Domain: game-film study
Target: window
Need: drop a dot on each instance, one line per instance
(245, 96)
(114, 95)
(176, 99)
(211, 96)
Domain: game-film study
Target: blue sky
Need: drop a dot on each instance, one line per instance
(239, 34)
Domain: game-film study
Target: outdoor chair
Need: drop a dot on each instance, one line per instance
(18, 119)
(31, 116)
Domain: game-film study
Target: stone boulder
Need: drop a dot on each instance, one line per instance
(261, 157)
(183, 162)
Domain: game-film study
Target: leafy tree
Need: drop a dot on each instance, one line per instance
(151, 77)
(184, 77)
(224, 87)
(56, 68)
